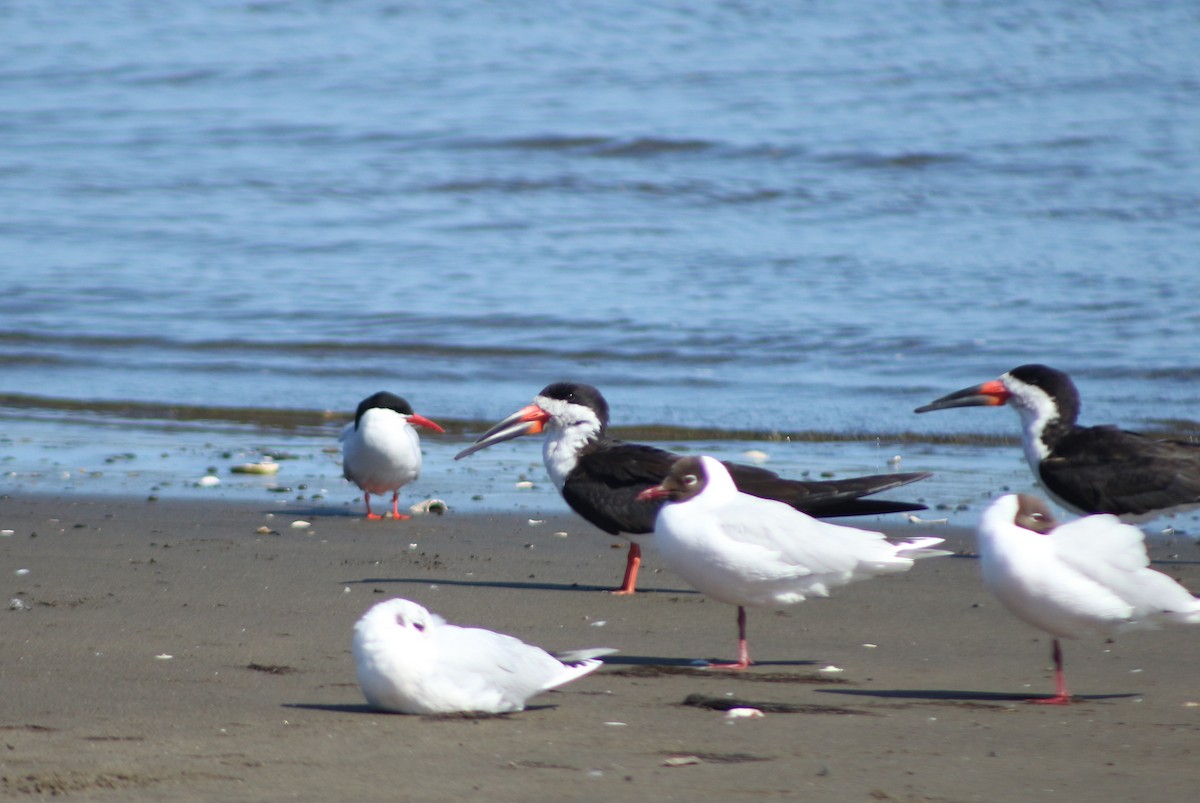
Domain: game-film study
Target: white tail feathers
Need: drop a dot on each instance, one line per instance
(921, 548)
(579, 656)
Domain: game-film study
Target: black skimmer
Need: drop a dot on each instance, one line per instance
(1101, 469)
(600, 478)
(381, 451)
(412, 662)
(1088, 576)
(744, 550)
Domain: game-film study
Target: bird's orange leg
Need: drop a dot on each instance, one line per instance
(743, 661)
(633, 562)
(1061, 697)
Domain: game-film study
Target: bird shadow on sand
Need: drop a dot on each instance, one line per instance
(516, 585)
(329, 512)
(621, 659)
(1174, 562)
(363, 708)
(955, 695)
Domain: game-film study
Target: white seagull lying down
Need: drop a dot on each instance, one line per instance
(744, 550)
(411, 661)
(381, 452)
(1087, 576)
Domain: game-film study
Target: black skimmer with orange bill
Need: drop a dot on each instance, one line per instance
(1100, 469)
(1088, 576)
(744, 550)
(600, 478)
(381, 452)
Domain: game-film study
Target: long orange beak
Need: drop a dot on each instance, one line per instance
(422, 421)
(989, 394)
(527, 421)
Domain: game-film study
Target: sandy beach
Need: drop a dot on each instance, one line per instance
(200, 651)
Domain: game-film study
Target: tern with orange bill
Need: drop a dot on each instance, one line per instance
(381, 452)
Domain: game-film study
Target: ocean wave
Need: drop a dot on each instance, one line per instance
(137, 414)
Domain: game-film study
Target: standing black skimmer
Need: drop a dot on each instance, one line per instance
(600, 478)
(1100, 469)
(1088, 576)
(381, 451)
(743, 550)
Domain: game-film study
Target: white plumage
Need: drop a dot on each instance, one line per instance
(1090, 576)
(381, 452)
(744, 550)
(411, 661)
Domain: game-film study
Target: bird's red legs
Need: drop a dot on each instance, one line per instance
(367, 499)
(1060, 682)
(632, 563)
(743, 661)
(395, 507)
(396, 514)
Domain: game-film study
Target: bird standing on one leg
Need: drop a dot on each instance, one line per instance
(743, 550)
(1091, 575)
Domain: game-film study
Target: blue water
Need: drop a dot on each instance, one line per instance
(753, 217)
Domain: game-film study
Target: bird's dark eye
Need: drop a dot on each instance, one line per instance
(419, 627)
(690, 480)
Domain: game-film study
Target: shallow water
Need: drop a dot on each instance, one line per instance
(219, 224)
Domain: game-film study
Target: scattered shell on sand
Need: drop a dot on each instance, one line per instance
(756, 456)
(264, 467)
(435, 506)
(208, 481)
(16, 604)
(743, 713)
(301, 524)
(681, 761)
(523, 484)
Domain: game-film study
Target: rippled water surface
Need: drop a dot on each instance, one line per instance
(222, 220)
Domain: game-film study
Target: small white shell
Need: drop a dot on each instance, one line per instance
(436, 506)
(265, 467)
(743, 713)
(681, 761)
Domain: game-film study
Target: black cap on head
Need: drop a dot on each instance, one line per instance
(383, 401)
(579, 393)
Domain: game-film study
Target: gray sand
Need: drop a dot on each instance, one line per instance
(258, 701)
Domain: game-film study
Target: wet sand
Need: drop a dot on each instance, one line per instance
(172, 651)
